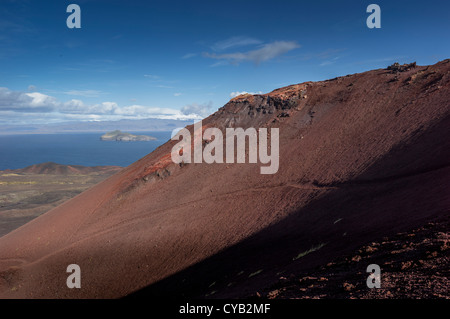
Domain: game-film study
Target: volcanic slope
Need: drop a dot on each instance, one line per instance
(361, 156)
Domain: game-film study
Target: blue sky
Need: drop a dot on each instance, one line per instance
(185, 59)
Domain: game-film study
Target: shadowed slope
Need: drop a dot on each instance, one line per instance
(351, 213)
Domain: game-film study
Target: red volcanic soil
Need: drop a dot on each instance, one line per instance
(361, 157)
(58, 169)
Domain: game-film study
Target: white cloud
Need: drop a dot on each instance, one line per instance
(264, 53)
(189, 55)
(73, 106)
(20, 101)
(201, 110)
(220, 63)
(234, 42)
(147, 111)
(41, 100)
(17, 107)
(151, 76)
(237, 93)
(329, 62)
(178, 94)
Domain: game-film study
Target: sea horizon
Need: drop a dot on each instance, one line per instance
(74, 148)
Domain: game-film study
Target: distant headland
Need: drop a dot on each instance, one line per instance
(125, 137)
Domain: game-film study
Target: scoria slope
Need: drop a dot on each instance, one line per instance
(361, 157)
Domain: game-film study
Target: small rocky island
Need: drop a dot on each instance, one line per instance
(120, 136)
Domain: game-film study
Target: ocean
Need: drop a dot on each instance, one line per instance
(19, 151)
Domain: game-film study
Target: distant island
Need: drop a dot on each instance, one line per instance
(125, 137)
